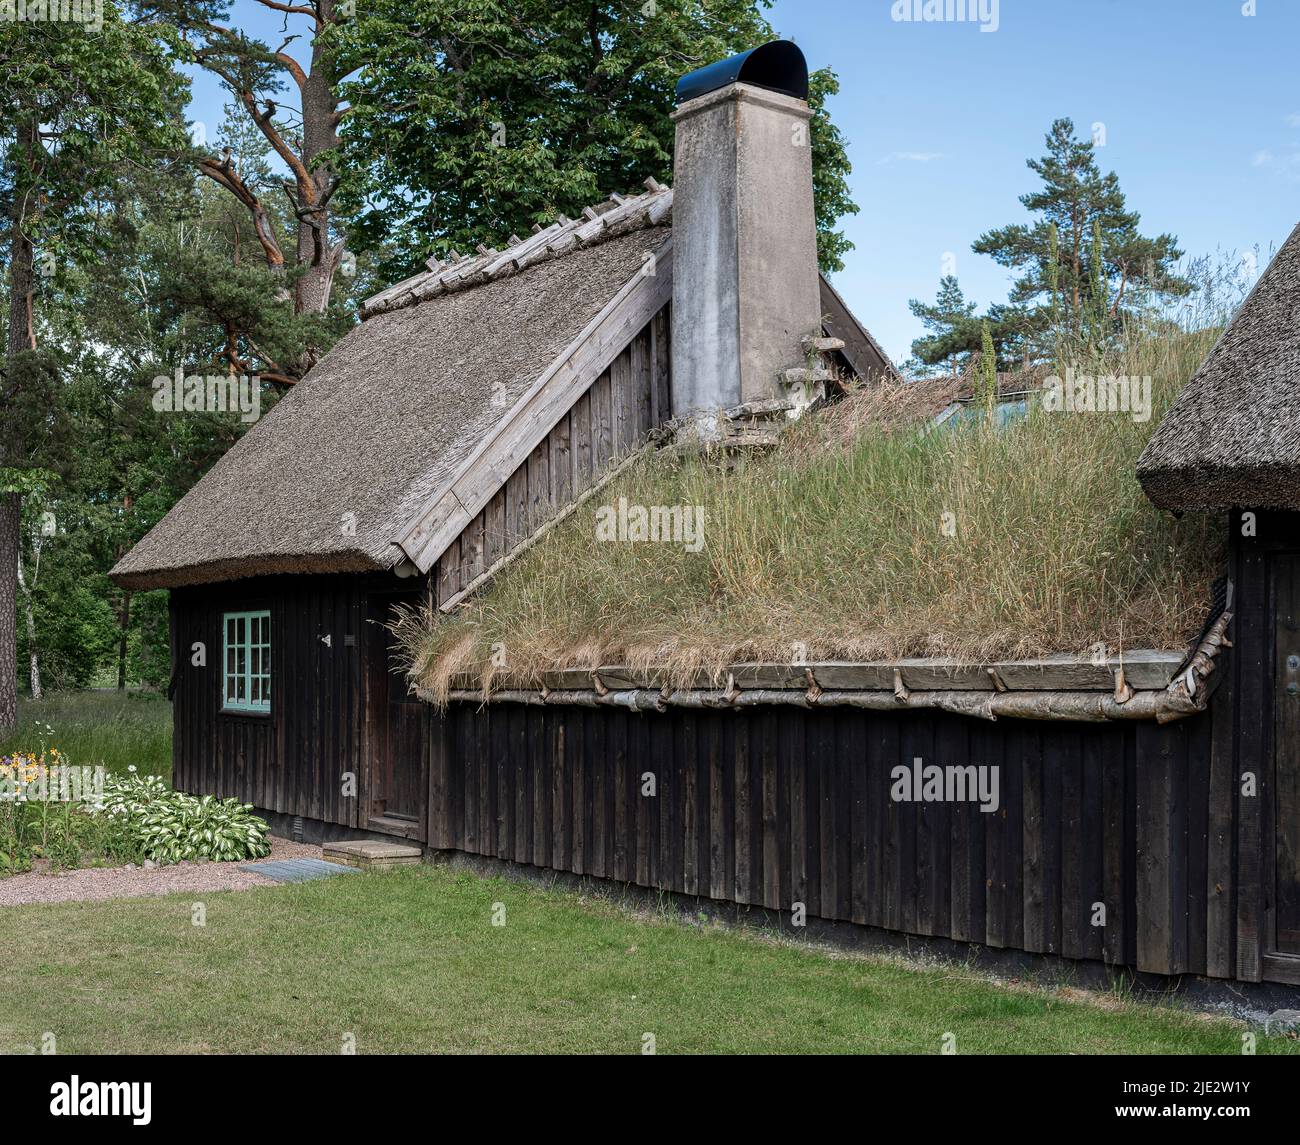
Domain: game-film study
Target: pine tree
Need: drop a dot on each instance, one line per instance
(953, 327)
(1063, 285)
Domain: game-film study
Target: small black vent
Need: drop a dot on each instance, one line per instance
(297, 828)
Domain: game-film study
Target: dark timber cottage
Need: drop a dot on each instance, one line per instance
(479, 399)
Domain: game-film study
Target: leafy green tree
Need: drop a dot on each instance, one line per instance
(79, 107)
(294, 106)
(470, 122)
(1083, 259)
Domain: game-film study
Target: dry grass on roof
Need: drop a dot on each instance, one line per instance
(833, 547)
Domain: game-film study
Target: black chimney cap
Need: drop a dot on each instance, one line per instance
(779, 66)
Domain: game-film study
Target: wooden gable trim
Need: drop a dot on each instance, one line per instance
(592, 442)
(861, 351)
(446, 514)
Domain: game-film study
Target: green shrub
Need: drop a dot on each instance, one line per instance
(137, 817)
(171, 826)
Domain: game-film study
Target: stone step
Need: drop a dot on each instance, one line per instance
(371, 854)
(821, 345)
(802, 374)
(762, 408)
(750, 439)
(768, 423)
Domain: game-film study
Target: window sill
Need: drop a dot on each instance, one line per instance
(243, 714)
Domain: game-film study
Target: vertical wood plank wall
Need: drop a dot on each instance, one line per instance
(1244, 761)
(606, 423)
(772, 808)
(293, 759)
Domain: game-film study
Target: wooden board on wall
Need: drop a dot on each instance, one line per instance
(775, 808)
(604, 424)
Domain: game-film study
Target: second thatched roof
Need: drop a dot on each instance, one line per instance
(1232, 438)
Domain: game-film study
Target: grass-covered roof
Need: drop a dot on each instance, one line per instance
(866, 535)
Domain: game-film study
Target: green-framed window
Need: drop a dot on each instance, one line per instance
(246, 662)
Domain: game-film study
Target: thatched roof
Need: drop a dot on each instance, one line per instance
(1232, 436)
(328, 479)
(348, 471)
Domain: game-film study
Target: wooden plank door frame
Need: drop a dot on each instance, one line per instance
(378, 681)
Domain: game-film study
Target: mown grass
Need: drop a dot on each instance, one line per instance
(97, 728)
(835, 547)
(410, 962)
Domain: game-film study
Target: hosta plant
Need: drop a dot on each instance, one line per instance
(173, 827)
(132, 793)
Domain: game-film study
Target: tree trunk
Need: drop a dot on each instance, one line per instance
(29, 612)
(319, 134)
(21, 337)
(9, 507)
(124, 625)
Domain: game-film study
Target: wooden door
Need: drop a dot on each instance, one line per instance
(397, 781)
(1286, 747)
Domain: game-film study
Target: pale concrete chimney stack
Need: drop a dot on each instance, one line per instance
(745, 279)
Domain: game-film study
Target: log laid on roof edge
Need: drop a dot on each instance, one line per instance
(880, 687)
(1162, 706)
(1145, 670)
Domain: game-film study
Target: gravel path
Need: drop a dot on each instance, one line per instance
(121, 882)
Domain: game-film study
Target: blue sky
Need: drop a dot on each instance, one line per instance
(1199, 103)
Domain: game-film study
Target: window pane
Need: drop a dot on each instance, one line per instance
(246, 664)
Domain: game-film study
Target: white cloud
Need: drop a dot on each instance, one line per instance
(910, 157)
(1286, 164)
(1293, 120)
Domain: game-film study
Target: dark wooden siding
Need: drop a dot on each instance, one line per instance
(293, 760)
(1261, 545)
(773, 808)
(605, 424)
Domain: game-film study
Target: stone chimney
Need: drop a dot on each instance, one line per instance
(745, 279)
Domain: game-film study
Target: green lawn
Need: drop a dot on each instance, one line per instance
(111, 728)
(410, 961)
